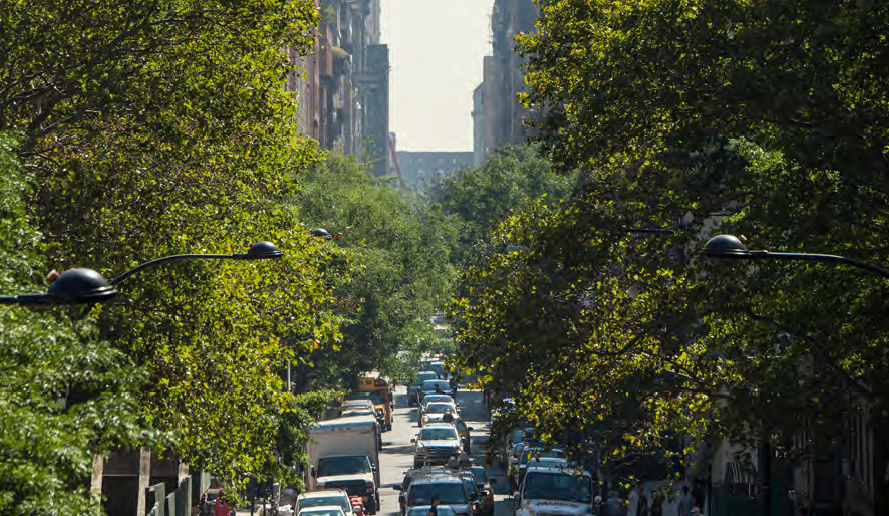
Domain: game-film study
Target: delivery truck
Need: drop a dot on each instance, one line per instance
(343, 454)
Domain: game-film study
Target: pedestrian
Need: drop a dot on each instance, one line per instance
(448, 417)
(221, 508)
(633, 499)
(643, 501)
(433, 506)
(657, 504)
(614, 505)
(697, 494)
(685, 505)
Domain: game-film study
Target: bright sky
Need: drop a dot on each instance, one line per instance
(435, 52)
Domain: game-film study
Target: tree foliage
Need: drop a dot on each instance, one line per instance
(46, 447)
(400, 246)
(158, 128)
(765, 119)
(482, 197)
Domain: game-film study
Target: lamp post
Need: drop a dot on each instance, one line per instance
(86, 286)
(731, 247)
(728, 246)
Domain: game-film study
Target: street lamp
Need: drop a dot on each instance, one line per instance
(71, 287)
(728, 246)
(80, 286)
(320, 233)
(258, 251)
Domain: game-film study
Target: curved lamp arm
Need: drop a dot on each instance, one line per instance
(258, 251)
(86, 286)
(728, 246)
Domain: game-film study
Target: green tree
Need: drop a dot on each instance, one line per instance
(482, 197)
(46, 447)
(157, 128)
(400, 246)
(688, 118)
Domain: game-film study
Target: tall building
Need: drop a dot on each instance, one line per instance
(374, 85)
(479, 151)
(425, 169)
(343, 90)
(500, 120)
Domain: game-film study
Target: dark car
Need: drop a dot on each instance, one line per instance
(484, 486)
(448, 487)
(414, 387)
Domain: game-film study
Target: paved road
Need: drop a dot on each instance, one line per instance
(397, 455)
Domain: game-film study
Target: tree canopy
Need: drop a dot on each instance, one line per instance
(158, 128)
(47, 445)
(690, 119)
(400, 245)
(481, 198)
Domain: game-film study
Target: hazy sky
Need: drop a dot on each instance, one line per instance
(435, 52)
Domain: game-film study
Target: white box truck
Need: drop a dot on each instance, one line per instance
(344, 455)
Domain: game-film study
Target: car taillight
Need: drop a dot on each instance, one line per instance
(370, 487)
(319, 486)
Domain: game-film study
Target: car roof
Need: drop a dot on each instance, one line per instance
(529, 447)
(346, 422)
(546, 462)
(322, 508)
(364, 402)
(437, 477)
(557, 470)
(448, 403)
(319, 494)
(437, 425)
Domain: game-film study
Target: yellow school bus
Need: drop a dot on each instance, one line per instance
(380, 394)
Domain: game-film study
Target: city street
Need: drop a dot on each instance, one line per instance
(397, 455)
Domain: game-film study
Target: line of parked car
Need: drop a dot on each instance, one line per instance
(544, 481)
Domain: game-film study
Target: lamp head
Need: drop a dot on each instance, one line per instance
(263, 251)
(726, 246)
(79, 286)
(320, 233)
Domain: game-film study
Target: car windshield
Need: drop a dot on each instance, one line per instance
(427, 375)
(430, 385)
(520, 435)
(538, 453)
(557, 486)
(317, 501)
(518, 450)
(438, 434)
(480, 476)
(448, 493)
(439, 408)
(358, 412)
(461, 426)
(443, 510)
(375, 397)
(330, 466)
(437, 398)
